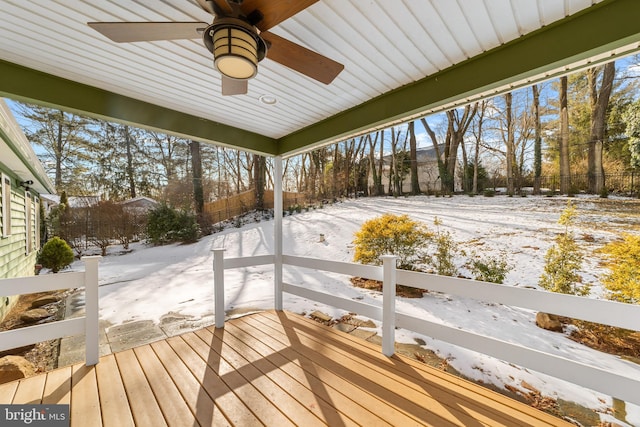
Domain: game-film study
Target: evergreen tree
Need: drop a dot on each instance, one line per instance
(564, 260)
(64, 138)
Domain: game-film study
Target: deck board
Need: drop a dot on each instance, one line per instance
(439, 383)
(114, 405)
(30, 390)
(85, 401)
(198, 392)
(57, 389)
(255, 353)
(142, 402)
(171, 402)
(270, 368)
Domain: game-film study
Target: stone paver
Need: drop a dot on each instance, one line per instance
(127, 335)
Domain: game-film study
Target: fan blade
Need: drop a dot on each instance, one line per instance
(233, 86)
(121, 32)
(273, 11)
(301, 59)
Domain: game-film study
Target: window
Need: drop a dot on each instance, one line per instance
(5, 190)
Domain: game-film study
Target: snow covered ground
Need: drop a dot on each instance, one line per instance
(152, 281)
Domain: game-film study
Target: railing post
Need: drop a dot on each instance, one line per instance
(218, 286)
(388, 304)
(92, 318)
(277, 231)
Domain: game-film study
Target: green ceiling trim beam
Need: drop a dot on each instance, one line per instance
(27, 85)
(606, 26)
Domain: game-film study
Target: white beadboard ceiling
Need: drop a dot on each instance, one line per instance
(383, 44)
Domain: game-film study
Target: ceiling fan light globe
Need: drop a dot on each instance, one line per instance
(235, 52)
(236, 67)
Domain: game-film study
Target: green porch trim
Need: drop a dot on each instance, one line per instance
(28, 85)
(27, 164)
(609, 25)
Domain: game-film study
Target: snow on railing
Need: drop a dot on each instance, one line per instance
(87, 324)
(605, 312)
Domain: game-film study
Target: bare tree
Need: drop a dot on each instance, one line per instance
(196, 177)
(599, 104)
(565, 172)
(458, 123)
(537, 147)
(477, 131)
(413, 156)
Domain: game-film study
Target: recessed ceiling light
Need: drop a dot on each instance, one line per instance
(268, 99)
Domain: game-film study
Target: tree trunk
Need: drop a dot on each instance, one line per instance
(510, 144)
(259, 174)
(599, 105)
(565, 173)
(312, 177)
(415, 183)
(442, 170)
(381, 163)
(458, 125)
(129, 168)
(537, 145)
(58, 156)
(476, 155)
(372, 165)
(196, 166)
(465, 180)
(334, 172)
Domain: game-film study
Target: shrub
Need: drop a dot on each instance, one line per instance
(563, 260)
(489, 193)
(623, 259)
(56, 254)
(604, 193)
(391, 234)
(445, 250)
(489, 269)
(166, 225)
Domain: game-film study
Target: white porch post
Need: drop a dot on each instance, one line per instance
(388, 304)
(218, 287)
(277, 230)
(92, 318)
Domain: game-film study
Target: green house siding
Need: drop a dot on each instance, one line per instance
(15, 259)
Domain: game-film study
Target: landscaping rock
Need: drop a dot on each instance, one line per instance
(35, 315)
(550, 322)
(360, 323)
(14, 368)
(47, 299)
(321, 316)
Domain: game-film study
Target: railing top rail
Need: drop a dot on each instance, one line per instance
(599, 311)
(33, 284)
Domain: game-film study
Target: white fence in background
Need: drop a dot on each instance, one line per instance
(87, 325)
(605, 312)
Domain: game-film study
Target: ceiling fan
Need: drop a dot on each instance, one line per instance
(238, 38)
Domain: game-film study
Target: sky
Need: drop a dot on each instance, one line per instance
(152, 281)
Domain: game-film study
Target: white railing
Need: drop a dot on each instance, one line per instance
(87, 324)
(605, 312)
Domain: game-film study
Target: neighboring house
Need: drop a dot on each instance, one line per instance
(428, 176)
(139, 204)
(53, 200)
(23, 179)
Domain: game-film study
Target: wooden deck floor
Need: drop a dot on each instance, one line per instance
(274, 369)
